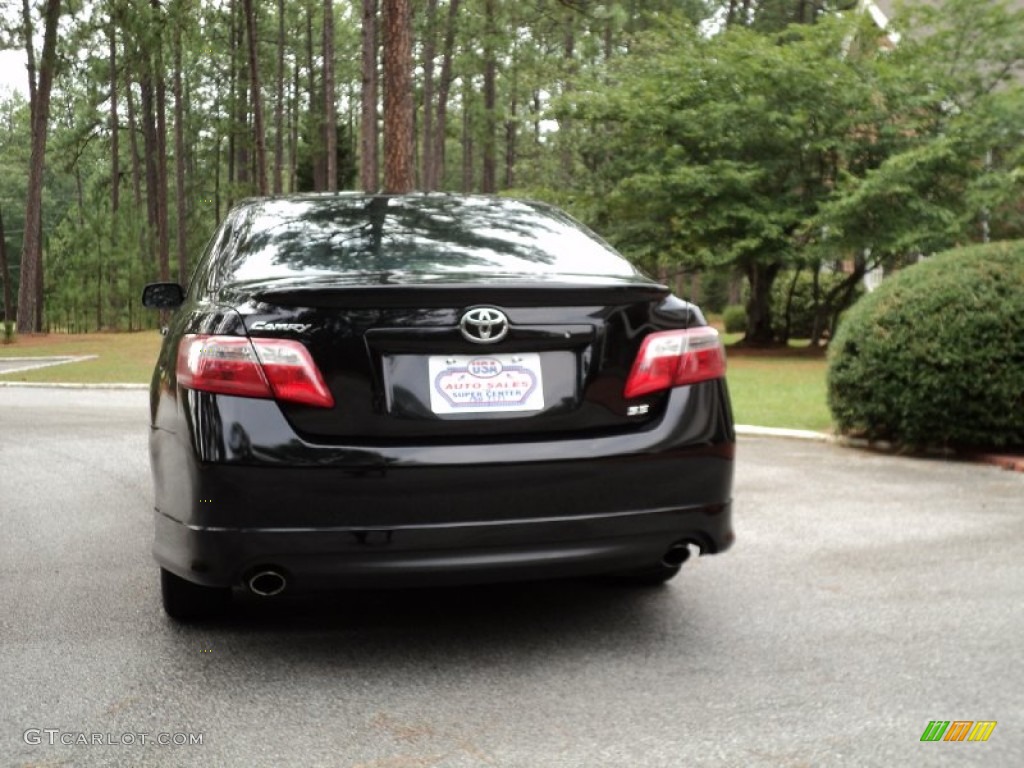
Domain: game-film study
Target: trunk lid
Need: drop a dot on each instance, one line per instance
(401, 361)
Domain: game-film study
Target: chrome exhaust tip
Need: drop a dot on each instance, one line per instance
(676, 555)
(267, 583)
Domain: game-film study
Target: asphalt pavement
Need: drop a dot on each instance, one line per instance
(866, 596)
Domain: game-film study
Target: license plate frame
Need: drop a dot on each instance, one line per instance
(488, 383)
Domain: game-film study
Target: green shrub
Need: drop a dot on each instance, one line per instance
(735, 319)
(935, 355)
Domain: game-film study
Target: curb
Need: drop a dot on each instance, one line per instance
(748, 430)
(56, 385)
(1010, 462)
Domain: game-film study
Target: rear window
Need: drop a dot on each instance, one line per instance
(289, 238)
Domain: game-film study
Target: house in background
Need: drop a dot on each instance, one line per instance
(880, 11)
(883, 10)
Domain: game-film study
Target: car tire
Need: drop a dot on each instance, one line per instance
(185, 601)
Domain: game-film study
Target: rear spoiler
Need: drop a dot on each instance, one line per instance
(427, 295)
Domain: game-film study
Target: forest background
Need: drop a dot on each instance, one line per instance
(769, 152)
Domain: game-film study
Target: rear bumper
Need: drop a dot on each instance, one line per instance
(337, 516)
(438, 554)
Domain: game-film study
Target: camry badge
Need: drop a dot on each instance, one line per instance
(484, 325)
(262, 325)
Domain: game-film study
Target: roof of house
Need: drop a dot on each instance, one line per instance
(882, 11)
(888, 7)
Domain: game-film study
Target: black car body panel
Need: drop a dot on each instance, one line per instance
(397, 482)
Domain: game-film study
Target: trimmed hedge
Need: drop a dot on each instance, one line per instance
(935, 356)
(734, 318)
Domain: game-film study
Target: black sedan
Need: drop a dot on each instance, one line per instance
(369, 391)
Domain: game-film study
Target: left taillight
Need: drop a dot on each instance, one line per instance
(280, 369)
(673, 358)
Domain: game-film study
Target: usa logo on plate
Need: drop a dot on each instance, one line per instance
(484, 367)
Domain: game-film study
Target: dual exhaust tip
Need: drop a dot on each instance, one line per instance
(678, 554)
(267, 582)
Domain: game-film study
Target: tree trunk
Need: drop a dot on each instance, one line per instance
(99, 287)
(467, 137)
(807, 12)
(133, 146)
(369, 173)
(179, 162)
(437, 165)
(788, 322)
(564, 123)
(115, 160)
(760, 278)
(216, 178)
(609, 40)
(330, 109)
(511, 151)
(115, 172)
(232, 97)
(429, 53)
(730, 16)
(293, 136)
(79, 197)
(398, 123)
(163, 218)
(351, 170)
(316, 138)
(257, 98)
(39, 276)
(836, 300)
(536, 117)
(488, 183)
(240, 126)
(30, 54)
(279, 106)
(144, 253)
(5, 275)
(149, 150)
(30, 293)
(511, 124)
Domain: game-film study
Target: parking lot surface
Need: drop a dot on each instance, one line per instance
(866, 596)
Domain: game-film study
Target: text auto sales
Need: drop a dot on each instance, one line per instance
(54, 736)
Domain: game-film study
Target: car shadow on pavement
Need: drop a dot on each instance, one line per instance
(430, 623)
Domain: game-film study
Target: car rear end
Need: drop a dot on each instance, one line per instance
(385, 391)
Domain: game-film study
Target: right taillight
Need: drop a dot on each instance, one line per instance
(674, 358)
(280, 369)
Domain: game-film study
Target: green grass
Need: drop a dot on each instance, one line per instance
(766, 391)
(779, 392)
(121, 357)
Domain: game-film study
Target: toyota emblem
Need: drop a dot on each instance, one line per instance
(484, 325)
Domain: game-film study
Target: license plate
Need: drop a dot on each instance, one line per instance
(502, 383)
